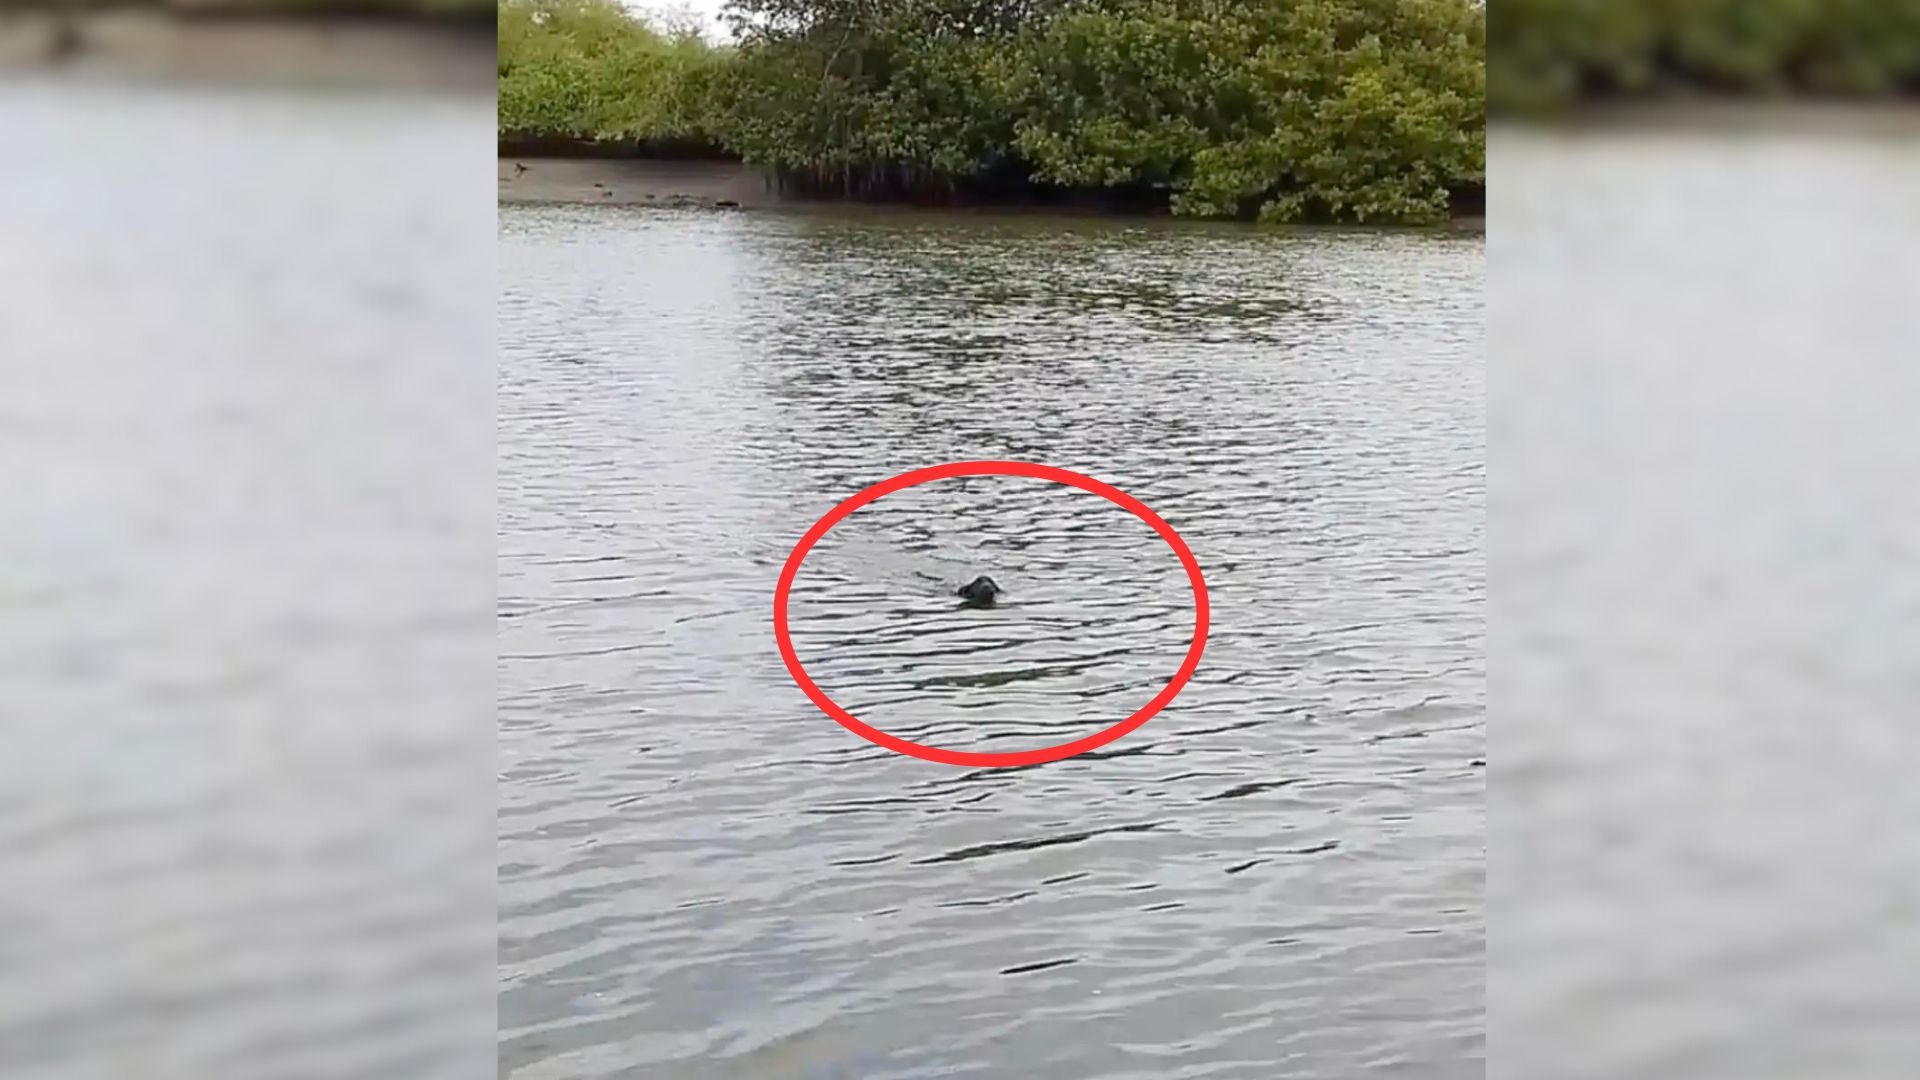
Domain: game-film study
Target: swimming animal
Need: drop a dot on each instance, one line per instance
(978, 593)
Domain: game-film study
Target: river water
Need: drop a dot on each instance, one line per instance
(701, 874)
(1703, 862)
(246, 566)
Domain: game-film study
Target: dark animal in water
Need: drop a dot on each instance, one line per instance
(518, 168)
(979, 593)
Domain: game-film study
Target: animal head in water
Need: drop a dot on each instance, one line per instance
(979, 592)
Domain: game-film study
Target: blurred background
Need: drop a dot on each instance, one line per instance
(1562, 53)
(392, 44)
(1706, 602)
(246, 547)
(246, 556)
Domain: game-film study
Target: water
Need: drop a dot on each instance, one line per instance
(702, 875)
(246, 646)
(1703, 858)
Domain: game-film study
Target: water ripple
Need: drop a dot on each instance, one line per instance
(704, 876)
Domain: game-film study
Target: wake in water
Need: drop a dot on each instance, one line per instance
(917, 565)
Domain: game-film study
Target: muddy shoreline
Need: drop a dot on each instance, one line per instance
(713, 183)
(695, 181)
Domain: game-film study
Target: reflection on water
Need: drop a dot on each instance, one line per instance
(702, 875)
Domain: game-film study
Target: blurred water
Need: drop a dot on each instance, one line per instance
(701, 875)
(245, 638)
(1703, 856)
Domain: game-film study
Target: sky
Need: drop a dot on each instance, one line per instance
(707, 10)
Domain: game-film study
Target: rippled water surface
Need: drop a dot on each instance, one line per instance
(1708, 608)
(703, 875)
(246, 647)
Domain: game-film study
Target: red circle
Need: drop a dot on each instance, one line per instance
(990, 468)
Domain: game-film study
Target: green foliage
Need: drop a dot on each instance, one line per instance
(864, 97)
(1368, 110)
(588, 69)
(1553, 52)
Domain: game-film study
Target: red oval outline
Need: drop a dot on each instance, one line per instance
(990, 468)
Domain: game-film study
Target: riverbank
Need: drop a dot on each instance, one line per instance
(686, 179)
(636, 182)
(1113, 108)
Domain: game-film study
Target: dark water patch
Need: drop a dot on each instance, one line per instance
(1043, 965)
(983, 850)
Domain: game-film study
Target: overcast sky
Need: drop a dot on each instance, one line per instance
(707, 10)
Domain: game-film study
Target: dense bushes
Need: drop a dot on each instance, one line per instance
(585, 69)
(1545, 52)
(1365, 110)
(1353, 109)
